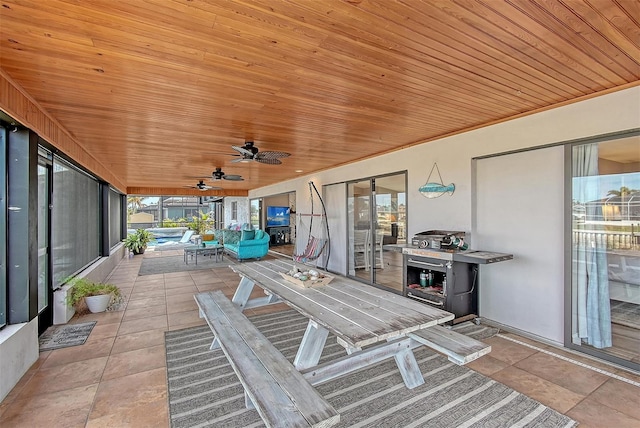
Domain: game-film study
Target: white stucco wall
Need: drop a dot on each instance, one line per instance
(18, 351)
(609, 113)
(243, 213)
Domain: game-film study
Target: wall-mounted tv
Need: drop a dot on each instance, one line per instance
(277, 216)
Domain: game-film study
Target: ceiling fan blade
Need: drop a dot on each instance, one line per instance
(272, 155)
(233, 178)
(241, 159)
(268, 161)
(242, 151)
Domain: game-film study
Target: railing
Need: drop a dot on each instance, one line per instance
(609, 240)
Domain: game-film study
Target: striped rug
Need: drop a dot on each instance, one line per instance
(204, 391)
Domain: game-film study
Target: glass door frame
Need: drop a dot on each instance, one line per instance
(45, 314)
(369, 241)
(568, 245)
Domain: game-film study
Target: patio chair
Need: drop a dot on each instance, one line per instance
(186, 237)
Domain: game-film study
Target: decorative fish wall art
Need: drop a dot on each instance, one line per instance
(435, 190)
(432, 189)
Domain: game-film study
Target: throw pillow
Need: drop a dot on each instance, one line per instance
(259, 234)
(247, 235)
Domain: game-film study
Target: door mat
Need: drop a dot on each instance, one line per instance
(63, 336)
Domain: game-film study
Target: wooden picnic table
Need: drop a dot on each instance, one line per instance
(358, 314)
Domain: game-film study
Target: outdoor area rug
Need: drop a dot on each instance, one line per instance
(477, 331)
(625, 313)
(63, 336)
(156, 265)
(205, 392)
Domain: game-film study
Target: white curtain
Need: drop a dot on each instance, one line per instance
(591, 311)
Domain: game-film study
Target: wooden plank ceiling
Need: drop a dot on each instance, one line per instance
(157, 91)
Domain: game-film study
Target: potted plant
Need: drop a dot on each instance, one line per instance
(96, 295)
(137, 242)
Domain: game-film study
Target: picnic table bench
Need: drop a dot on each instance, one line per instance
(280, 394)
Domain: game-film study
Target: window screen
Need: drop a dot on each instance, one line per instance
(75, 220)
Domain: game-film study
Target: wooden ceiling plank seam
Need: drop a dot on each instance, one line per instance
(136, 84)
(439, 77)
(468, 76)
(510, 44)
(590, 35)
(600, 24)
(472, 33)
(567, 65)
(604, 64)
(474, 54)
(632, 29)
(27, 111)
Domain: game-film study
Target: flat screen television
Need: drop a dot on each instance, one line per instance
(277, 216)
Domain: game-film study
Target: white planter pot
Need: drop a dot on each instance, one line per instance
(98, 303)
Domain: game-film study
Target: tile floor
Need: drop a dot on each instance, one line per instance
(118, 378)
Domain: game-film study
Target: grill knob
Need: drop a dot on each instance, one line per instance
(424, 244)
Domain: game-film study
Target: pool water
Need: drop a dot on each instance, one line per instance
(164, 239)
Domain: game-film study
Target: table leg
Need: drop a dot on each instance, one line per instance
(409, 368)
(241, 296)
(311, 346)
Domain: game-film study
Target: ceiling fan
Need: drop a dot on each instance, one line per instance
(219, 175)
(249, 152)
(203, 187)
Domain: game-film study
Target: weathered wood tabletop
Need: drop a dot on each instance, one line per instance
(358, 314)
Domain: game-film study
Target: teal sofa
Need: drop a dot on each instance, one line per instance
(244, 244)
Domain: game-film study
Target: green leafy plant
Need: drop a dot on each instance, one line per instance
(137, 242)
(82, 287)
(201, 223)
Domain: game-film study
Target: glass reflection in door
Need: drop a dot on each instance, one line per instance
(605, 286)
(376, 222)
(43, 238)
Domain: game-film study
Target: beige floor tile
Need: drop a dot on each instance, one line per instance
(487, 365)
(103, 331)
(548, 393)
(189, 305)
(150, 311)
(145, 302)
(213, 286)
(143, 339)
(126, 394)
(137, 295)
(67, 376)
(65, 408)
(179, 283)
(620, 396)
(184, 318)
(102, 318)
(180, 298)
(87, 351)
(143, 324)
(190, 289)
(148, 414)
(592, 414)
(131, 362)
(148, 288)
(568, 375)
(507, 351)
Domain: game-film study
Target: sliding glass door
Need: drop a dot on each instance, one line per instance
(605, 281)
(45, 291)
(376, 221)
